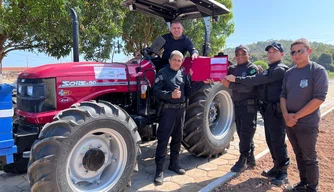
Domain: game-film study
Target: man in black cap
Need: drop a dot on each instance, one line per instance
(269, 88)
(244, 99)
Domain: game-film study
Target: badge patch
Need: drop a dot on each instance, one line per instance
(252, 72)
(303, 83)
(160, 77)
(265, 72)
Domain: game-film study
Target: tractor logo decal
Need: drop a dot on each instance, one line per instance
(65, 100)
(77, 83)
(63, 92)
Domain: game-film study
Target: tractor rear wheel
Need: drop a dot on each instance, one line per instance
(88, 147)
(209, 122)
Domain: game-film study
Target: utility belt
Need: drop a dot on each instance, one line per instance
(265, 106)
(174, 105)
(245, 102)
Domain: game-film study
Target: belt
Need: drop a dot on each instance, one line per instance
(245, 102)
(174, 106)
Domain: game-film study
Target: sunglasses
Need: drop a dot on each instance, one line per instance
(240, 54)
(300, 52)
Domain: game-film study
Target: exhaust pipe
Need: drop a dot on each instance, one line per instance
(75, 25)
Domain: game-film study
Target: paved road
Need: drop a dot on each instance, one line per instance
(200, 171)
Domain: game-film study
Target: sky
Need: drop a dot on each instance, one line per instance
(257, 20)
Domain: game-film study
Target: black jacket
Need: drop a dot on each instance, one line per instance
(167, 81)
(240, 91)
(269, 82)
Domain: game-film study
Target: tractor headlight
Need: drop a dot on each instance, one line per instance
(19, 89)
(30, 90)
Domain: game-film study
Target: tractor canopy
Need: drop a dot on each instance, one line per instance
(177, 9)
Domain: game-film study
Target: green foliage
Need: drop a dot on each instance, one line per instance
(261, 63)
(141, 30)
(45, 26)
(219, 30)
(257, 52)
(330, 74)
(325, 59)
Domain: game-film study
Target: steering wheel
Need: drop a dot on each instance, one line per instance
(148, 53)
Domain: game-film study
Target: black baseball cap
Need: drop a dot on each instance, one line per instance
(242, 47)
(276, 46)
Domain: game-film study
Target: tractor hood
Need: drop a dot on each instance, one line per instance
(70, 69)
(177, 9)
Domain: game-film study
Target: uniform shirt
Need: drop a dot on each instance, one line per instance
(167, 81)
(183, 45)
(270, 80)
(300, 86)
(242, 92)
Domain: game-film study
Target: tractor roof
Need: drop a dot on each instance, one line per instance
(177, 9)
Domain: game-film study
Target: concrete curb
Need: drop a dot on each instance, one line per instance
(230, 175)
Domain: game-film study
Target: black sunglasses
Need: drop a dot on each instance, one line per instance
(300, 52)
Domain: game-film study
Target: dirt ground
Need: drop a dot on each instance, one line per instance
(251, 180)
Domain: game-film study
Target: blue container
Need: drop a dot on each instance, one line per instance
(7, 147)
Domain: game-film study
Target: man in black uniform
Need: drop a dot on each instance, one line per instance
(244, 99)
(176, 40)
(304, 89)
(172, 87)
(269, 89)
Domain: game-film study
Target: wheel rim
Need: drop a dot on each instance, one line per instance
(90, 175)
(220, 114)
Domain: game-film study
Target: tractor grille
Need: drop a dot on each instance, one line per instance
(36, 95)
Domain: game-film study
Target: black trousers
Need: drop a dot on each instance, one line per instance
(245, 120)
(275, 131)
(303, 140)
(170, 125)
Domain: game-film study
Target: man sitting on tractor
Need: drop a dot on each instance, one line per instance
(176, 40)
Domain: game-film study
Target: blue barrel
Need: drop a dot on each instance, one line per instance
(7, 147)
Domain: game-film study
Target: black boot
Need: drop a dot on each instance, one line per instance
(299, 187)
(270, 173)
(159, 175)
(176, 168)
(240, 165)
(251, 159)
(281, 176)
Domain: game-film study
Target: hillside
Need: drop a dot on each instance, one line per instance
(322, 53)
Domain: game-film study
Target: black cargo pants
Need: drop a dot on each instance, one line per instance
(275, 131)
(303, 140)
(171, 124)
(245, 120)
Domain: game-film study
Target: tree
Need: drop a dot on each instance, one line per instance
(325, 60)
(140, 30)
(45, 26)
(262, 64)
(138, 34)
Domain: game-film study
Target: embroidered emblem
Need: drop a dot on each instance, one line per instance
(265, 72)
(303, 83)
(159, 78)
(252, 72)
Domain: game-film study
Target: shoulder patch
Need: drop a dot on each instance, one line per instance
(253, 71)
(159, 78)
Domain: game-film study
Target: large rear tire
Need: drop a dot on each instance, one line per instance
(209, 122)
(88, 147)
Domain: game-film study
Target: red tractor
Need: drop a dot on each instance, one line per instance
(81, 123)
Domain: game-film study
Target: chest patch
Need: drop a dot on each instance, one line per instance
(303, 83)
